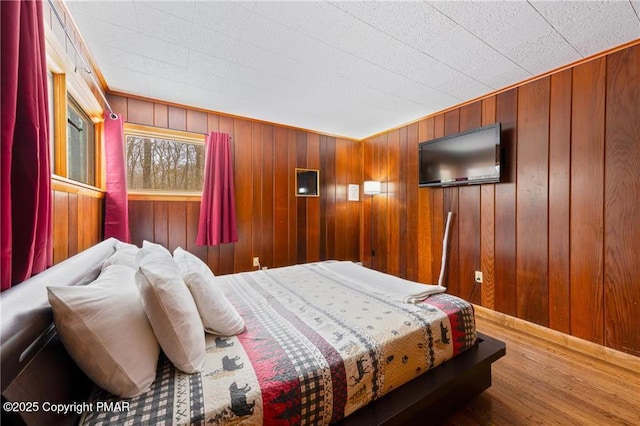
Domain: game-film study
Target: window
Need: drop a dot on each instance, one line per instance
(80, 145)
(167, 161)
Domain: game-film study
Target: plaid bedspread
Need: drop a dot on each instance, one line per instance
(316, 348)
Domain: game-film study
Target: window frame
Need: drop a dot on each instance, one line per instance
(92, 157)
(131, 129)
(62, 91)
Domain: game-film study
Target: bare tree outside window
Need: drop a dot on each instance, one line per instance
(163, 164)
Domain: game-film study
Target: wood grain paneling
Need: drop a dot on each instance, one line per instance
(73, 219)
(292, 257)
(301, 202)
(487, 244)
(60, 226)
(342, 219)
(256, 184)
(281, 192)
(193, 214)
(532, 202)
(367, 203)
(313, 204)
(415, 249)
(557, 240)
(402, 182)
(505, 296)
(622, 202)
(176, 225)
(426, 220)
(266, 253)
(393, 198)
(141, 218)
(587, 186)
(559, 196)
(177, 118)
(273, 224)
(197, 121)
(487, 220)
(160, 115)
(354, 207)
(76, 221)
(244, 192)
(450, 199)
(469, 217)
(140, 112)
(381, 205)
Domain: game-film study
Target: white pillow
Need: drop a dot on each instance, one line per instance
(148, 245)
(218, 315)
(120, 245)
(190, 262)
(171, 310)
(105, 330)
(124, 255)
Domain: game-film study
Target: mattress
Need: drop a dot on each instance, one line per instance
(319, 344)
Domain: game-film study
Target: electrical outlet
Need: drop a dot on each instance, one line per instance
(256, 262)
(478, 277)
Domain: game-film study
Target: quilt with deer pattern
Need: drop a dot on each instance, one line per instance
(317, 347)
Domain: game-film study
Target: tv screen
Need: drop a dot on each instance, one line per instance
(466, 158)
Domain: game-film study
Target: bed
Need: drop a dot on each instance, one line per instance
(248, 378)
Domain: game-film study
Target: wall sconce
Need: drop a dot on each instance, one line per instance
(373, 188)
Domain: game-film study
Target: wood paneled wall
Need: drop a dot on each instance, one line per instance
(273, 224)
(558, 240)
(77, 219)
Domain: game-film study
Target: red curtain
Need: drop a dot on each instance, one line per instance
(25, 175)
(116, 215)
(217, 223)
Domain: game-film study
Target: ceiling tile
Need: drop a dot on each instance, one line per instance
(165, 70)
(126, 80)
(575, 21)
(122, 14)
(158, 24)
(347, 68)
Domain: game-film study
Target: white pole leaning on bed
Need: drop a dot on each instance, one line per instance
(445, 243)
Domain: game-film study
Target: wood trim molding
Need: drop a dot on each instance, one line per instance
(155, 132)
(60, 124)
(163, 196)
(100, 161)
(59, 183)
(585, 347)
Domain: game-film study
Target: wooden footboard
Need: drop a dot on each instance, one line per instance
(438, 393)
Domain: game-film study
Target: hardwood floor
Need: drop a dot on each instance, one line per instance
(541, 382)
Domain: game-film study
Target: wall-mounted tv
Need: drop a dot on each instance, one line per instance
(466, 158)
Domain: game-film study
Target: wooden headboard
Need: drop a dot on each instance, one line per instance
(34, 365)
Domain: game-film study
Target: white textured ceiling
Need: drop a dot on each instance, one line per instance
(345, 68)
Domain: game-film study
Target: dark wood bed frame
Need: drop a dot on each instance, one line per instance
(36, 368)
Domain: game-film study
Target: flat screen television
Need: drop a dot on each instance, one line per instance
(467, 158)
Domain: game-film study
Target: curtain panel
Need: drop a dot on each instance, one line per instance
(26, 174)
(116, 215)
(217, 222)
